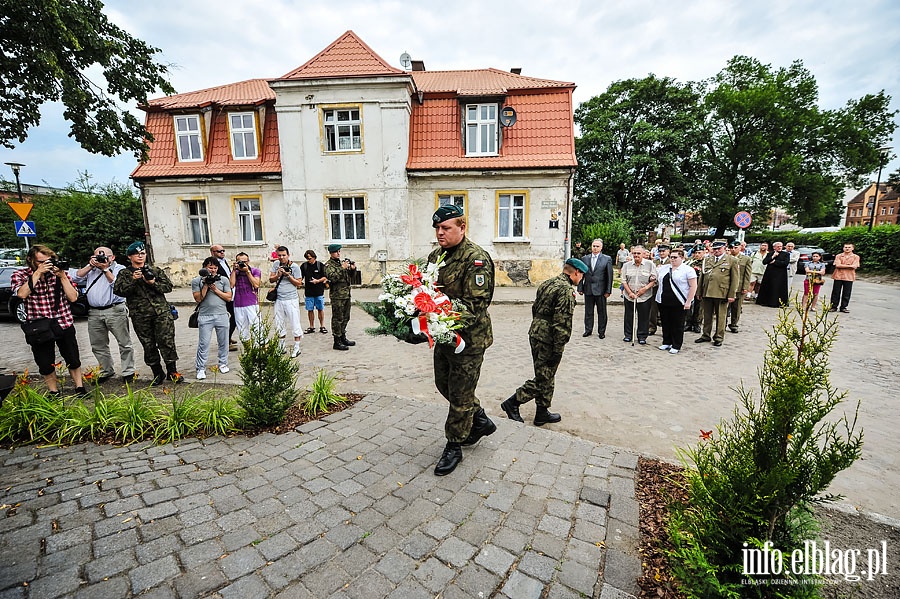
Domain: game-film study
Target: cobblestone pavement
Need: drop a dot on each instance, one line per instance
(347, 507)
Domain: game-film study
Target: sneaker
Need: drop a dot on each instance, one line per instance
(665, 347)
(201, 374)
(224, 369)
(673, 351)
(295, 352)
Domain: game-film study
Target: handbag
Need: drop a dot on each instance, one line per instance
(193, 322)
(40, 330)
(272, 295)
(81, 307)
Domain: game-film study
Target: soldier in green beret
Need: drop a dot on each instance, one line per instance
(467, 275)
(338, 273)
(144, 288)
(551, 328)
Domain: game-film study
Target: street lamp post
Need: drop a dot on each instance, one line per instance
(16, 167)
(882, 154)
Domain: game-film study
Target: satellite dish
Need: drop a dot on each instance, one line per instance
(406, 61)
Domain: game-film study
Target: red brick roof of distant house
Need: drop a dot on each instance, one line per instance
(347, 56)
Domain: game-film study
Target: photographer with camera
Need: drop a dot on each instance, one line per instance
(46, 290)
(107, 313)
(211, 292)
(244, 281)
(339, 276)
(287, 278)
(144, 288)
(218, 252)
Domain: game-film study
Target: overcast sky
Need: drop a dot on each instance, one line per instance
(851, 47)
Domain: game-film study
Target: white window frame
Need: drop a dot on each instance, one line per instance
(516, 202)
(192, 134)
(347, 218)
(243, 136)
(249, 218)
(197, 221)
(458, 198)
(342, 124)
(482, 130)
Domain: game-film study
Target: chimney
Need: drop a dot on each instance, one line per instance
(516, 70)
(418, 65)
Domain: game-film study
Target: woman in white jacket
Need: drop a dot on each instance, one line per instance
(676, 286)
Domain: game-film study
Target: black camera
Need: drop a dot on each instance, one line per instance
(287, 268)
(208, 277)
(101, 258)
(60, 264)
(350, 262)
(242, 264)
(148, 273)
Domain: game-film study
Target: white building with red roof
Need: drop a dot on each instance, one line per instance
(349, 149)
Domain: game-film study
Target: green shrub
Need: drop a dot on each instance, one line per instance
(268, 376)
(610, 226)
(755, 479)
(321, 395)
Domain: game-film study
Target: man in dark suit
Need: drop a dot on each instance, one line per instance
(596, 286)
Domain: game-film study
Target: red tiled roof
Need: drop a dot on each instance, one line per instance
(479, 82)
(885, 192)
(347, 56)
(243, 93)
(543, 135)
(163, 161)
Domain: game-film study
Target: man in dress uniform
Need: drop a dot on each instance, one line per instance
(467, 276)
(338, 274)
(551, 328)
(718, 285)
(736, 307)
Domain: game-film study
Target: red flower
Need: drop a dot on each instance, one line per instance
(705, 435)
(414, 277)
(424, 302)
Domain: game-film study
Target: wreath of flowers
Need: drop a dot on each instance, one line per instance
(412, 308)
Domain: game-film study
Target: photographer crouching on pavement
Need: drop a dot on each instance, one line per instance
(46, 290)
(107, 313)
(144, 288)
(211, 291)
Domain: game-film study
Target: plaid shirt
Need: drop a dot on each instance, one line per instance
(45, 301)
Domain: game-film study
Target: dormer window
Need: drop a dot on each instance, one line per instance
(187, 138)
(243, 135)
(481, 129)
(342, 129)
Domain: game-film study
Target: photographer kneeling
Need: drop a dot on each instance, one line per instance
(46, 290)
(211, 292)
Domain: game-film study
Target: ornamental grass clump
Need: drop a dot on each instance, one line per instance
(268, 376)
(322, 395)
(755, 479)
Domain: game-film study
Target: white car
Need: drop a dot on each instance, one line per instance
(13, 257)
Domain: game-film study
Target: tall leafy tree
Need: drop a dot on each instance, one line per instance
(768, 144)
(47, 49)
(634, 151)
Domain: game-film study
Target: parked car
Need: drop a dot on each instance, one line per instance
(751, 249)
(7, 308)
(806, 255)
(13, 257)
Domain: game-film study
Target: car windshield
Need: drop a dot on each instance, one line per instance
(6, 276)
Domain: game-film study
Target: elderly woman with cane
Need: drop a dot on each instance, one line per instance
(638, 281)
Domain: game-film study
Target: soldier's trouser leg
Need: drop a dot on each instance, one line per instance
(720, 306)
(145, 331)
(540, 388)
(165, 338)
(456, 376)
(340, 316)
(707, 309)
(735, 309)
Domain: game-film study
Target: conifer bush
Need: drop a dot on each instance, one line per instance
(268, 375)
(756, 477)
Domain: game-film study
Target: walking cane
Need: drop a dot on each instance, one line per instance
(634, 322)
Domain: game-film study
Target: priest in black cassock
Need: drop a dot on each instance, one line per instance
(773, 291)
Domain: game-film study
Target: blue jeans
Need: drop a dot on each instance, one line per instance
(206, 324)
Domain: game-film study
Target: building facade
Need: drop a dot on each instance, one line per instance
(887, 207)
(349, 149)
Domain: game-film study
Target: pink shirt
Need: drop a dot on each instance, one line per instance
(845, 266)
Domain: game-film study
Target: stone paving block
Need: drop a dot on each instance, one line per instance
(157, 548)
(158, 528)
(626, 460)
(370, 584)
(344, 535)
(205, 552)
(241, 562)
(519, 586)
(240, 537)
(495, 559)
(305, 532)
(355, 560)
(200, 533)
(314, 554)
(455, 551)
(473, 533)
(433, 575)
(197, 515)
(611, 592)
(504, 496)
(622, 535)
(411, 589)
(326, 498)
(558, 590)
(235, 520)
(281, 573)
(578, 576)
(535, 565)
(396, 566)
(157, 512)
(560, 509)
(113, 588)
(438, 527)
(273, 524)
(248, 586)
(149, 575)
(548, 544)
(417, 545)
(325, 580)
(558, 527)
(475, 581)
(381, 539)
(621, 570)
(277, 546)
(624, 508)
(109, 565)
(200, 581)
(333, 516)
(62, 560)
(70, 538)
(584, 552)
(57, 584)
(121, 541)
(121, 506)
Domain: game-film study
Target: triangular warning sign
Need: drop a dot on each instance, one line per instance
(25, 229)
(23, 209)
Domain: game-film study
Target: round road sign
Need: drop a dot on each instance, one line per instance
(742, 219)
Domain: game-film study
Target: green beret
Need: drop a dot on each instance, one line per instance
(735, 244)
(136, 247)
(334, 247)
(577, 264)
(445, 212)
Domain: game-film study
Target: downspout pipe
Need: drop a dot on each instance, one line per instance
(147, 241)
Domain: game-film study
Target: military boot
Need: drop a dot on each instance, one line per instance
(347, 342)
(450, 459)
(511, 407)
(482, 426)
(339, 345)
(542, 416)
(159, 375)
(172, 373)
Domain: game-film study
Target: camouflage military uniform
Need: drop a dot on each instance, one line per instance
(694, 320)
(150, 314)
(551, 328)
(339, 293)
(467, 275)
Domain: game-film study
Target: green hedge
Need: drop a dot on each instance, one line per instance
(878, 250)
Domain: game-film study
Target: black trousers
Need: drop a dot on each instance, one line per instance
(643, 318)
(592, 303)
(671, 318)
(840, 294)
